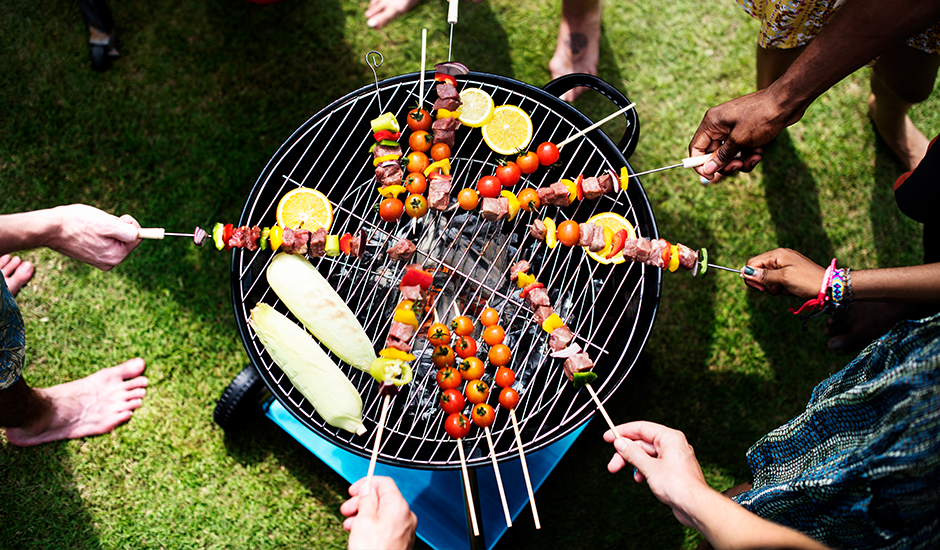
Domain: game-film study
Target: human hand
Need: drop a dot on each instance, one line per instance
(784, 271)
(663, 457)
(377, 516)
(93, 236)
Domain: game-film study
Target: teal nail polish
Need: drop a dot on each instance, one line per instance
(748, 270)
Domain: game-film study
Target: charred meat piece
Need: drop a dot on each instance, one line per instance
(542, 313)
(606, 183)
(446, 103)
(560, 338)
(655, 258)
(495, 209)
(439, 193)
(522, 266)
(629, 248)
(385, 150)
(556, 194)
(287, 240)
(237, 240)
(538, 297)
(402, 251)
(357, 243)
(399, 335)
(411, 293)
(591, 188)
(318, 243)
(687, 256)
(388, 173)
(447, 91)
(597, 240)
(643, 248)
(538, 229)
(578, 362)
(587, 234)
(300, 241)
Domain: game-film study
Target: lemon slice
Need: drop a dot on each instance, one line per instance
(304, 208)
(614, 223)
(477, 107)
(509, 132)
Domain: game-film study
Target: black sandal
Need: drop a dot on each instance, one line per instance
(103, 54)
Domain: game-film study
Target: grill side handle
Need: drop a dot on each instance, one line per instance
(567, 82)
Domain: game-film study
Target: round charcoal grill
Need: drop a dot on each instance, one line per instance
(609, 308)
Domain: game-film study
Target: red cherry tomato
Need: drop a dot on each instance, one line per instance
(443, 356)
(448, 378)
(419, 119)
(499, 355)
(415, 182)
(452, 401)
(483, 415)
(438, 334)
(420, 141)
(440, 151)
(391, 209)
(477, 391)
(489, 317)
(468, 199)
(509, 174)
(417, 162)
(457, 426)
(465, 346)
(505, 377)
(568, 233)
(494, 334)
(508, 398)
(489, 187)
(528, 162)
(472, 368)
(416, 205)
(548, 153)
(462, 325)
(529, 199)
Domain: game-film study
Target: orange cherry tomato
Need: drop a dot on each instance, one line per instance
(499, 355)
(415, 182)
(448, 378)
(465, 346)
(568, 232)
(417, 161)
(457, 426)
(439, 334)
(472, 368)
(477, 391)
(420, 141)
(494, 334)
(391, 209)
(489, 317)
(468, 199)
(508, 398)
(528, 162)
(419, 119)
(443, 356)
(505, 377)
(439, 151)
(462, 325)
(483, 415)
(416, 205)
(529, 199)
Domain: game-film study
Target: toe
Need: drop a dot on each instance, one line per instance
(131, 368)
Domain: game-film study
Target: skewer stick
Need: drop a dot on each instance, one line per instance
(378, 437)
(499, 479)
(596, 124)
(600, 407)
(525, 468)
(466, 488)
(456, 309)
(424, 57)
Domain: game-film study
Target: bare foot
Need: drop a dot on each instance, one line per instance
(579, 38)
(381, 12)
(93, 405)
(16, 272)
(894, 126)
(860, 324)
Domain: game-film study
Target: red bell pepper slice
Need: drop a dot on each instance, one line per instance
(386, 134)
(616, 245)
(529, 288)
(580, 189)
(441, 77)
(344, 243)
(667, 253)
(227, 234)
(414, 276)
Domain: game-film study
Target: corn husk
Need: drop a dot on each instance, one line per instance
(309, 369)
(312, 300)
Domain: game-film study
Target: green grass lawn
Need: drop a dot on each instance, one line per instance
(176, 133)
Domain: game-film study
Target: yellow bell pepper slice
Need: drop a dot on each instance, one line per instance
(552, 322)
(624, 178)
(406, 316)
(383, 158)
(514, 204)
(674, 258)
(446, 113)
(608, 242)
(405, 304)
(551, 239)
(443, 165)
(276, 237)
(525, 280)
(572, 190)
(392, 353)
(390, 191)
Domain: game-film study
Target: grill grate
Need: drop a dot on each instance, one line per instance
(610, 308)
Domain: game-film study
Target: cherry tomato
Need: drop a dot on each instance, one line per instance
(440, 151)
(499, 355)
(468, 199)
(391, 209)
(509, 174)
(568, 232)
(416, 205)
(529, 199)
(443, 356)
(417, 162)
(483, 415)
(489, 317)
(452, 401)
(457, 426)
(528, 162)
(465, 346)
(439, 334)
(505, 377)
(419, 119)
(508, 398)
(462, 325)
(477, 391)
(472, 368)
(420, 141)
(415, 182)
(489, 187)
(548, 153)
(494, 334)
(448, 378)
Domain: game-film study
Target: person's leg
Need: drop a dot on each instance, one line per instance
(579, 41)
(901, 77)
(16, 272)
(100, 23)
(90, 406)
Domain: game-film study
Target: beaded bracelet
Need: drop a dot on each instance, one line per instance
(835, 291)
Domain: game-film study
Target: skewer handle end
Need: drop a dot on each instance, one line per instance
(452, 12)
(156, 233)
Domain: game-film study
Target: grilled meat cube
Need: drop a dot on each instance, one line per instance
(538, 297)
(388, 173)
(556, 194)
(357, 243)
(402, 251)
(542, 313)
(606, 182)
(411, 293)
(251, 237)
(643, 248)
(560, 338)
(538, 229)
(399, 335)
(578, 362)
(587, 234)
(446, 103)
(687, 256)
(439, 193)
(655, 258)
(385, 150)
(447, 123)
(591, 188)
(444, 136)
(630, 248)
(237, 240)
(597, 240)
(317, 243)
(495, 209)
(301, 236)
(522, 266)
(447, 91)
(287, 240)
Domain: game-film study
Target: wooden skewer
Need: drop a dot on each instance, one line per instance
(378, 437)
(466, 488)
(424, 56)
(600, 407)
(525, 468)
(499, 479)
(595, 125)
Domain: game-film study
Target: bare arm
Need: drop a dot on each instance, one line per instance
(858, 33)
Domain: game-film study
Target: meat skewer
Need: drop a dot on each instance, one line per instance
(598, 123)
